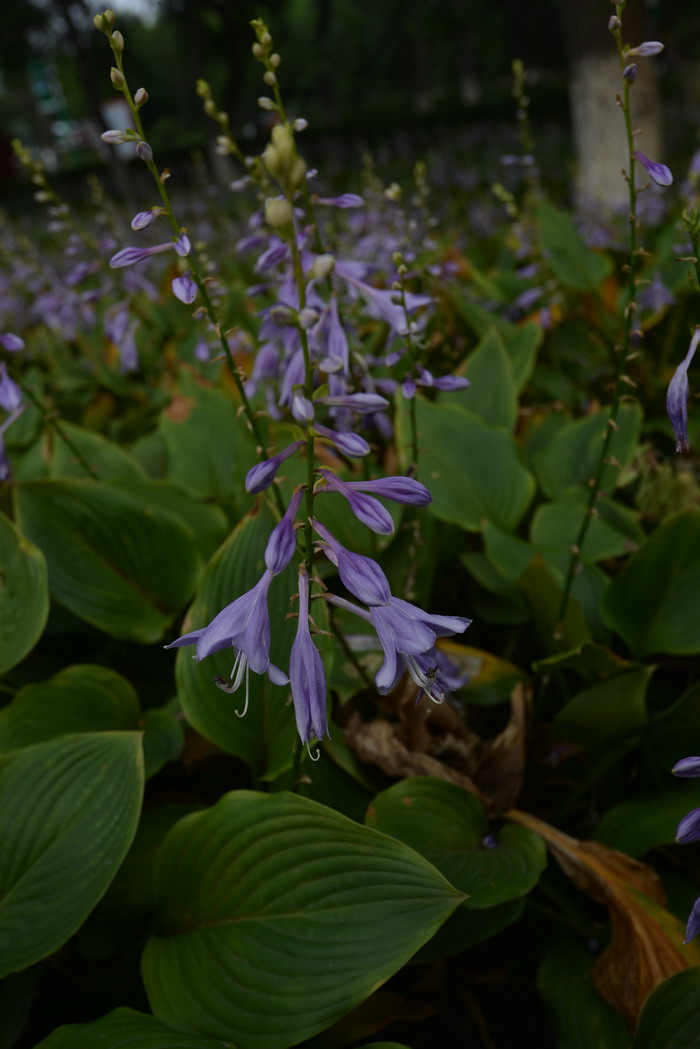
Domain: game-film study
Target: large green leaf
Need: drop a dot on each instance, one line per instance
(608, 711)
(653, 603)
(675, 733)
(24, 595)
(555, 527)
(471, 467)
(492, 394)
(265, 736)
(641, 824)
(580, 1017)
(570, 458)
(125, 1029)
(121, 566)
(521, 341)
(447, 825)
(68, 812)
(670, 1017)
(208, 523)
(275, 916)
(573, 262)
(107, 459)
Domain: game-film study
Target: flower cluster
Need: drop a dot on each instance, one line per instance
(689, 830)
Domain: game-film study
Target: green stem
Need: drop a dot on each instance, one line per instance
(309, 392)
(60, 432)
(199, 281)
(621, 359)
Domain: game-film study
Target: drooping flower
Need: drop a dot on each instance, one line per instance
(351, 444)
(365, 508)
(130, 256)
(244, 626)
(306, 674)
(185, 289)
(657, 172)
(361, 575)
(689, 830)
(282, 542)
(399, 489)
(262, 475)
(677, 396)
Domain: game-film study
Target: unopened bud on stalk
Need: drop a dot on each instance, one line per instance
(278, 213)
(210, 108)
(117, 41)
(109, 17)
(117, 78)
(266, 103)
(307, 317)
(99, 23)
(257, 50)
(266, 39)
(203, 89)
(114, 138)
(275, 60)
(629, 73)
(322, 267)
(300, 124)
(141, 97)
(614, 23)
(270, 78)
(144, 152)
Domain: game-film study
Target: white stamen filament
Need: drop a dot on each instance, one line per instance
(424, 681)
(318, 752)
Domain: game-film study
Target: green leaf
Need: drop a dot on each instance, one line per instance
(125, 1029)
(122, 567)
(653, 602)
(209, 450)
(492, 394)
(447, 825)
(542, 591)
(163, 739)
(466, 928)
(670, 1017)
(81, 698)
(571, 457)
(580, 1017)
(675, 733)
(24, 595)
(575, 265)
(644, 823)
(68, 812)
(275, 916)
(589, 660)
(521, 341)
(555, 527)
(107, 459)
(265, 736)
(471, 467)
(609, 711)
(208, 524)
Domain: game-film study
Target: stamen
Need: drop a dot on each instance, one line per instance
(242, 713)
(318, 752)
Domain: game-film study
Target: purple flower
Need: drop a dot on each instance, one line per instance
(185, 289)
(130, 256)
(282, 542)
(647, 49)
(658, 173)
(11, 342)
(306, 674)
(629, 73)
(689, 828)
(244, 625)
(400, 489)
(406, 631)
(182, 245)
(302, 408)
(262, 475)
(382, 302)
(693, 926)
(144, 218)
(362, 403)
(364, 507)
(10, 393)
(677, 396)
(348, 443)
(688, 768)
(144, 152)
(345, 200)
(362, 576)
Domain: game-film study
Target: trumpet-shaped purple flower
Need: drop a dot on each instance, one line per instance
(407, 635)
(145, 218)
(282, 542)
(350, 444)
(130, 256)
(361, 575)
(657, 172)
(11, 342)
(677, 396)
(364, 507)
(262, 475)
(647, 49)
(306, 674)
(400, 489)
(185, 289)
(688, 768)
(689, 828)
(244, 626)
(362, 403)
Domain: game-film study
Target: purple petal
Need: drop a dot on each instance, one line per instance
(130, 256)
(282, 542)
(362, 403)
(689, 828)
(350, 444)
(11, 342)
(687, 767)
(143, 219)
(659, 173)
(677, 396)
(10, 393)
(443, 626)
(647, 49)
(693, 926)
(302, 408)
(185, 289)
(306, 674)
(408, 636)
(345, 200)
(365, 509)
(362, 576)
(262, 474)
(400, 489)
(182, 245)
(451, 382)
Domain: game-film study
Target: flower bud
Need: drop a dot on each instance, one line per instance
(275, 60)
(117, 41)
(257, 50)
(117, 78)
(629, 73)
(323, 267)
(300, 124)
(270, 78)
(614, 23)
(278, 213)
(307, 317)
(109, 17)
(144, 152)
(266, 39)
(141, 97)
(99, 23)
(202, 88)
(266, 103)
(114, 138)
(210, 107)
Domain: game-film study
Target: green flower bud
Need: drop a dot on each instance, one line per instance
(278, 213)
(270, 78)
(99, 23)
(117, 41)
(275, 60)
(266, 103)
(109, 17)
(141, 97)
(203, 89)
(117, 78)
(266, 39)
(258, 51)
(322, 267)
(210, 108)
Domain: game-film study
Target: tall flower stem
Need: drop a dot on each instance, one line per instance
(199, 280)
(309, 392)
(621, 380)
(51, 421)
